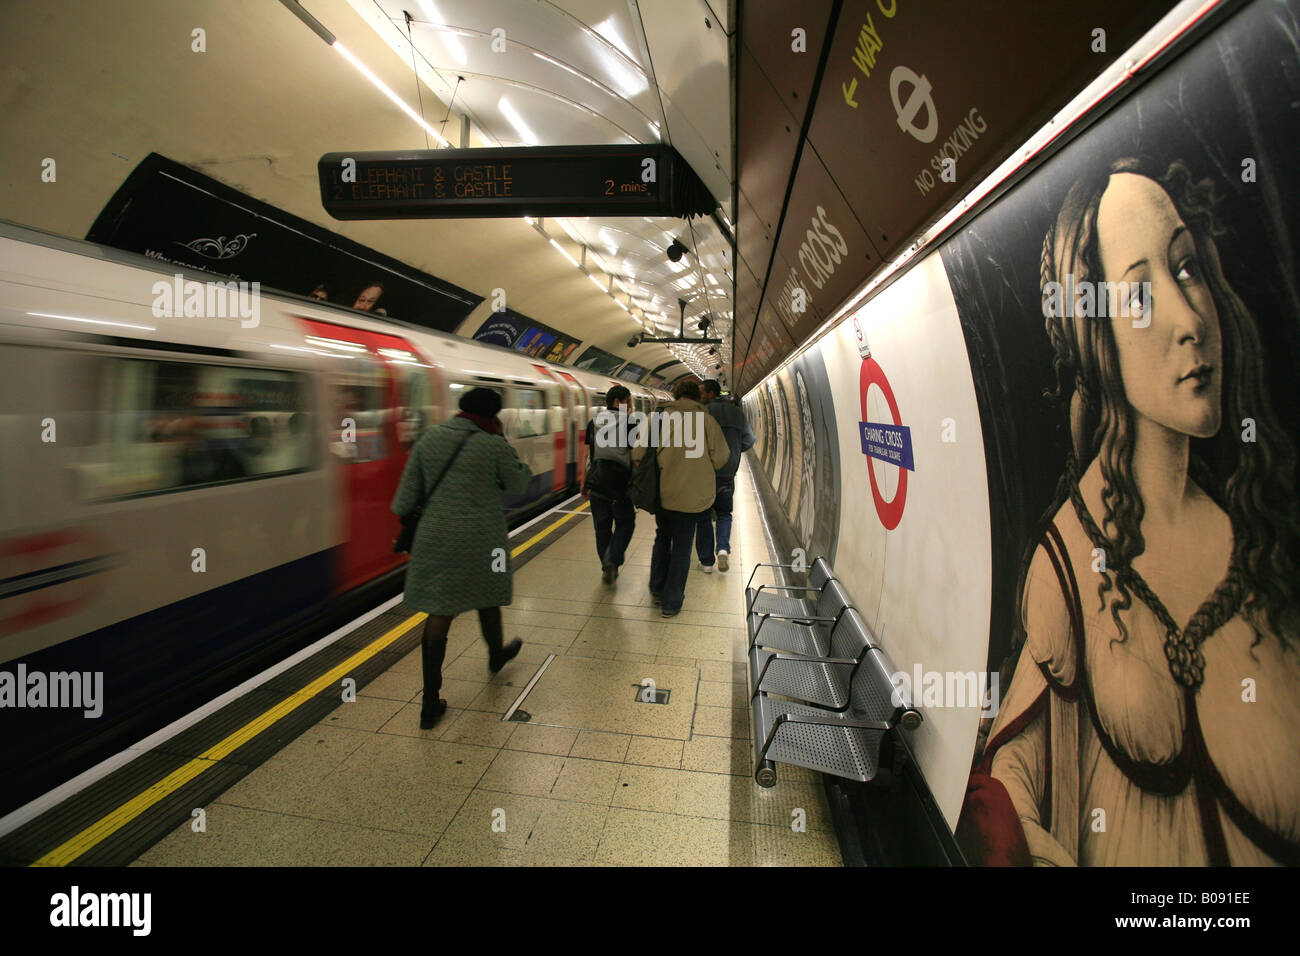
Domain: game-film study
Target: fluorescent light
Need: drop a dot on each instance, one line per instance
(347, 55)
(628, 79)
(75, 318)
(517, 121)
(334, 344)
(565, 254)
(448, 39)
(299, 348)
(596, 282)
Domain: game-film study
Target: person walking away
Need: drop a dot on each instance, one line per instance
(460, 558)
(609, 467)
(688, 457)
(739, 440)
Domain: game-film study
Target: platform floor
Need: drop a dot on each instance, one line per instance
(593, 777)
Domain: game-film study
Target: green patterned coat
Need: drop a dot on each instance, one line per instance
(452, 557)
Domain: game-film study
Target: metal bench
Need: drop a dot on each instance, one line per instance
(822, 679)
(807, 635)
(822, 688)
(765, 600)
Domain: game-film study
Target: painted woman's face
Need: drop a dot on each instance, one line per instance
(1172, 367)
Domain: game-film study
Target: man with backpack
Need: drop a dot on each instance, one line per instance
(688, 447)
(739, 440)
(609, 466)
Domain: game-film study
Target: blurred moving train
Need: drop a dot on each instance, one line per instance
(179, 492)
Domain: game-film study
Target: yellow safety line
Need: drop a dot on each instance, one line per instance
(107, 825)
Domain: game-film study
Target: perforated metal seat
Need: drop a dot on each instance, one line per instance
(819, 740)
(795, 637)
(782, 605)
(790, 602)
(819, 679)
(845, 744)
(807, 635)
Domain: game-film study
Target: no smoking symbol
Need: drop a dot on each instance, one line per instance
(919, 99)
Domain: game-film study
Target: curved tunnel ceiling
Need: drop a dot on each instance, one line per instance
(99, 87)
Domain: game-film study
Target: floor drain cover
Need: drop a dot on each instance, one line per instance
(644, 696)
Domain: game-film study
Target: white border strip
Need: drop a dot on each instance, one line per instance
(544, 514)
(41, 804)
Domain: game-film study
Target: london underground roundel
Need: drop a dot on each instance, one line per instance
(890, 442)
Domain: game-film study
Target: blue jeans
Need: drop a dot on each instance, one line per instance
(722, 508)
(615, 522)
(671, 560)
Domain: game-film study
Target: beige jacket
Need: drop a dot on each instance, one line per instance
(687, 483)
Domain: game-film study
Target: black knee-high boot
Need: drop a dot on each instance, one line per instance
(433, 649)
(499, 653)
(489, 619)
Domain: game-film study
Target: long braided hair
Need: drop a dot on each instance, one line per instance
(1252, 482)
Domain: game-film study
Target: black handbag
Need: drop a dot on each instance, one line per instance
(406, 537)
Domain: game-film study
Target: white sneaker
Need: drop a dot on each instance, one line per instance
(722, 560)
(706, 568)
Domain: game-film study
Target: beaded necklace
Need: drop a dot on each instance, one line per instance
(1182, 646)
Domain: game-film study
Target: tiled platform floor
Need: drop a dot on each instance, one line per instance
(594, 779)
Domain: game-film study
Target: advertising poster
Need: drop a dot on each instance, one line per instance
(632, 373)
(177, 216)
(534, 341)
(1130, 312)
(598, 361)
(503, 329)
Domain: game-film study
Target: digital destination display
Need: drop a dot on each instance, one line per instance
(632, 180)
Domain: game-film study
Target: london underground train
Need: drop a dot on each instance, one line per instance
(179, 492)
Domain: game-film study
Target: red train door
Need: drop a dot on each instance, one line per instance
(366, 436)
(559, 477)
(579, 415)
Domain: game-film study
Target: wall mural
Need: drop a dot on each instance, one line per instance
(1067, 467)
(810, 496)
(1131, 311)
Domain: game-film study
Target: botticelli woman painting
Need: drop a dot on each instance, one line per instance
(1152, 714)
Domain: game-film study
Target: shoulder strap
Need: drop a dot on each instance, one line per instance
(445, 467)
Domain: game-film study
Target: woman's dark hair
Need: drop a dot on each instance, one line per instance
(480, 401)
(616, 394)
(1252, 481)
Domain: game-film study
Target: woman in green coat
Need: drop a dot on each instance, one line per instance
(460, 559)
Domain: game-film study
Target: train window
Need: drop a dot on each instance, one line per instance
(460, 388)
(173, 425)
(416, 411)
(360, 402)
(527, 417)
